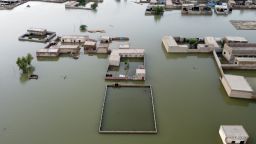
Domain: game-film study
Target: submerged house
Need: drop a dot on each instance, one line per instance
(48, 52)
(63, 45)
(245, 50)
(37, 35)
(235, 39)
(200, 9)
(157, 2)
(189, 45)
(243, 4)
(246, 61)
(69, 49)
(222, 9)
(103, 48)
(125, 69)
(74, 39)
(90, 46)
(9, 4)
(233, 134)
(37, 31)
(237, 86)
(116, 54)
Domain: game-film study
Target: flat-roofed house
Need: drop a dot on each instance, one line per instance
(47, 52)
(90, 46)
(235, 39)
(116, 54)
(76, 39)
(103, 48)
(74, 49)
(233, 134)
(114, 60)
(180, 45)
(140, 73)
(232, 50)
(246, 61)
(171, 45)
(8, 2)
(37, 31)
(237, 86)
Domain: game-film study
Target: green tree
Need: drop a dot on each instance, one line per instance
(159, 10)
(29, 58)
(24, 63)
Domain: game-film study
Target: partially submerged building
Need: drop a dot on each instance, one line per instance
(222, 9)
(242, 4)
(77, 5)
(116, 54)
(48, 52)
(233, 50)
(68, 44)
(90, 46)
(233, 134)
(37, 35)
(235, 39)
(103, 48)
(237, 86)
(10, 4)
(74, 39)
(239, 56)
(126, 64)
(196, 9)
(173, 4)
(69, 49)
(188, 45)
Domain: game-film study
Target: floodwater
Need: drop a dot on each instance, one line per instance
(128, 109)
(64, 105)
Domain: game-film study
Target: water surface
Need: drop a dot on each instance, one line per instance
(190, 101)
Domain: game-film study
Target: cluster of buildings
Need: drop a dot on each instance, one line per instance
(234, 53)
(238, 54)
(199, 7)
(72, 44)
(10, 4)
(188, 7)
(242, 4)
(67, 44)
(125, 63)
(77, 5)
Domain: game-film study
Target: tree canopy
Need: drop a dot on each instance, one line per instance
(24, 63)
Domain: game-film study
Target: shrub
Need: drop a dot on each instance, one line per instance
(83, 27)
